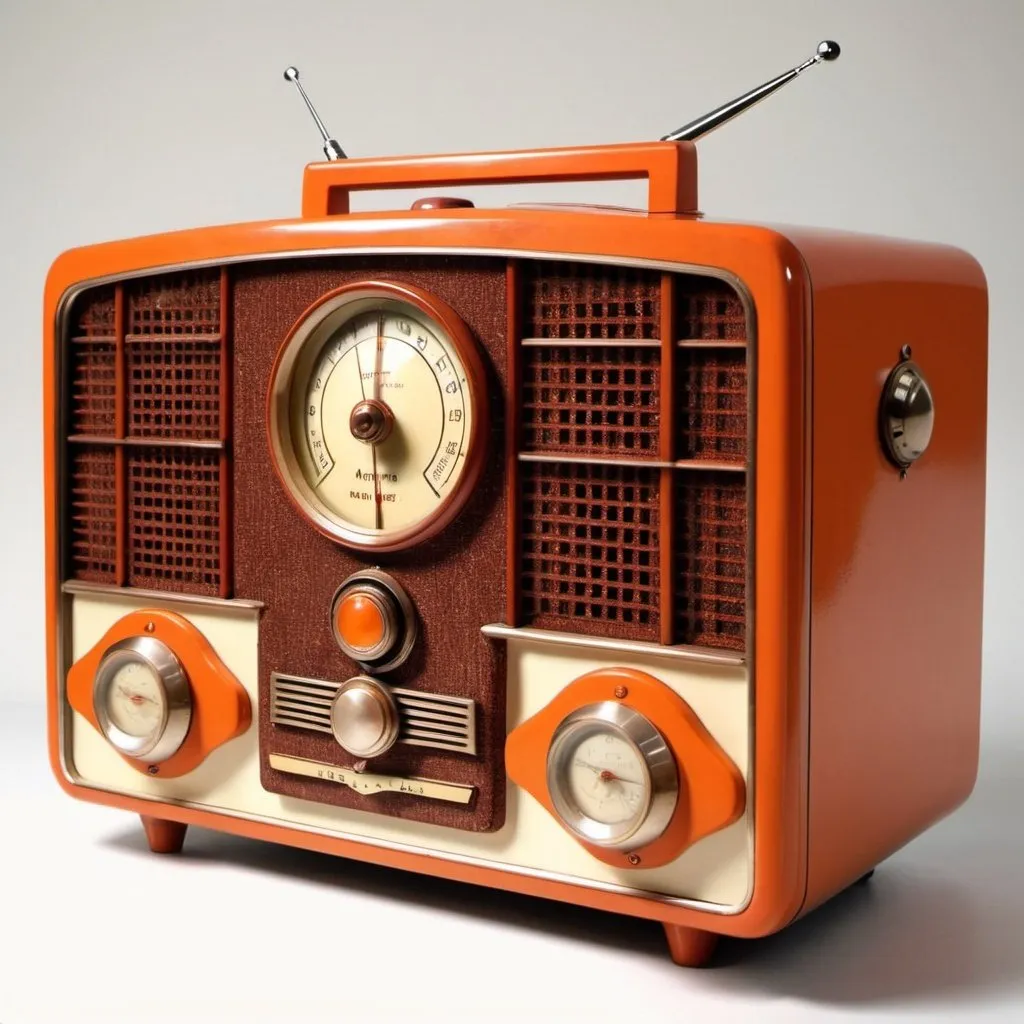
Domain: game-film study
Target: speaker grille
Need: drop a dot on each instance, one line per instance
(589, 548)
(709, 310)
(711, 559)
(580, 300)
(174, 520)
(175, 389)
(93, 514)
(619, 366)
(597, 400)
(175, 305)
(94, 367)
(155, 435)
(713, 412)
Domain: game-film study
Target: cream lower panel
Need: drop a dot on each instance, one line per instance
(716, 870)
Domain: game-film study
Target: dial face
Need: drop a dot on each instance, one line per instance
(136, 702)
(611, 777)
(375, 416)
(607, 779)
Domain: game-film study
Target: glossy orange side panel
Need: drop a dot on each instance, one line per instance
(772, 273)
(221, 709)
(669, 167)
(711, 791)
(896, 565)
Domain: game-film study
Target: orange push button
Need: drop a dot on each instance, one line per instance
(360, 620)
(373, 620)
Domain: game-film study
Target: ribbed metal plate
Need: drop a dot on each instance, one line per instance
(427, 719)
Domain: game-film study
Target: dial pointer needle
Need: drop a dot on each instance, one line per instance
(378, 366)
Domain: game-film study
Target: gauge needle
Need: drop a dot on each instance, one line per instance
(604, 774)
(378, 368)
(135, 698)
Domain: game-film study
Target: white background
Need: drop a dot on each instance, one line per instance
(126, 118)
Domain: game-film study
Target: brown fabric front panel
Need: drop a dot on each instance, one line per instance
(456, 581)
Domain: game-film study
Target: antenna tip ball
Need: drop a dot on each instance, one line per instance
(828, 49)
(292, 74)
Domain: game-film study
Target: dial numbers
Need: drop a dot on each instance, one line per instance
(377, 415)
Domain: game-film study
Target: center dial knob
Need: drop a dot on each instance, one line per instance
(364, 717)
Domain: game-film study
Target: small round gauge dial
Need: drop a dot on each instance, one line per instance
(611, 776)
(142, 700)
(377, 415)
(136, 702)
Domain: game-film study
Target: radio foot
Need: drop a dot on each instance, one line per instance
(164, 836)
(690, 947)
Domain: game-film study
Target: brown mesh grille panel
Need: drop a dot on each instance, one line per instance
(591, 401)
(712, 417)
(93, 514)
(581, 300)
(174, 385)
(174, 388)
(175, 305)
(174, 527)
(709, 310)
(93, 367)
(711, 558)
(589, 559)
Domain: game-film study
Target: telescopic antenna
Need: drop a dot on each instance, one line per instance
(827, 50)
(331, 148)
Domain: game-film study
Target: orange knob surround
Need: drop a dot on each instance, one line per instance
(712, 788)
(220, 705)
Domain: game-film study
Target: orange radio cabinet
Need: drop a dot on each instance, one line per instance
(626, 558)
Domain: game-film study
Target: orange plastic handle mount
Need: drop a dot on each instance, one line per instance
(669, 167)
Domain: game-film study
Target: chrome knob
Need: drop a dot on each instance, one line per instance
(364, 717)
(907, 414)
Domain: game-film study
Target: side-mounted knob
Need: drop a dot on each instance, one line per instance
(364, 717)
(906, 414)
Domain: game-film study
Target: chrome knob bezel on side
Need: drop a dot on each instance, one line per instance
(167, 737)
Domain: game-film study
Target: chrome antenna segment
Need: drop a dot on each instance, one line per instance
(331, 148)
(827, 50)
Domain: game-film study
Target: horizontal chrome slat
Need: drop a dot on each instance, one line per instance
(299, 724)
(299, 706)
(283, 711)
(437, 744)
(307, 692)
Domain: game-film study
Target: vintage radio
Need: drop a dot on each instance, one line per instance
(618, 557)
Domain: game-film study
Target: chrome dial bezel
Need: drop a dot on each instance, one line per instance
(167, 738)
(661, 776)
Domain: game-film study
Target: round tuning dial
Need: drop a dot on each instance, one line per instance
(364, 717)
(373, 620)
(142, 699)
(612, 777)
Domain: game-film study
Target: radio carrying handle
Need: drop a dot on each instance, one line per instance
(669, 167)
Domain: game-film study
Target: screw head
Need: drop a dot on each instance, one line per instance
(150, 627)
(153, 769)
(633, 859)
(620, 692)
